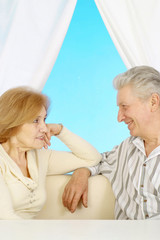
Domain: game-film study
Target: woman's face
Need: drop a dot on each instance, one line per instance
(31, 135)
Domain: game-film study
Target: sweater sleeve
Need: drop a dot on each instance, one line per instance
(82, 154)
(6, 208)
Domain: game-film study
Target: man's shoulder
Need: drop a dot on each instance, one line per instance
(124, 144)
(129, 140)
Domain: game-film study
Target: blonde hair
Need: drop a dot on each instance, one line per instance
(18, 106)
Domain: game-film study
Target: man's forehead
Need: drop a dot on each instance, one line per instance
(124, 95)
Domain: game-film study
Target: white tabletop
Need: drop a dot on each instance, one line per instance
(79, 229)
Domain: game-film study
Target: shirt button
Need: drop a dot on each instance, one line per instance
(144, 165)
(145, 200)
(147, 216)
(142, 186)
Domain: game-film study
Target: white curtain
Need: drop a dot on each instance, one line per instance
(134, 28)
(31, 35)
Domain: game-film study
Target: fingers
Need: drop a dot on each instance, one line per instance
(74, 192)
(67, 198)
(85, 198)
(76, 199)
(48, 137)
(70, 200)
(76, 189)
(52, 130)
(47, 140)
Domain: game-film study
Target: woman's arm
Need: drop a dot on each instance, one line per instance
(82, 154)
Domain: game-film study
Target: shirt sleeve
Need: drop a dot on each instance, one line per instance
(155, 217)
(107, 166)
(6, 209)
(82, 154)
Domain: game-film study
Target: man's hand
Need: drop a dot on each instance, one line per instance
(76, 189)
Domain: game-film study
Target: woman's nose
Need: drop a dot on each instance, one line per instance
(43, 127)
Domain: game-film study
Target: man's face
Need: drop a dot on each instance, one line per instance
(133, 111)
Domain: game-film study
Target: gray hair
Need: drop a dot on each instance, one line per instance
(145, 80)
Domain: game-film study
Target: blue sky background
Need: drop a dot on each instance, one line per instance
(80, 84)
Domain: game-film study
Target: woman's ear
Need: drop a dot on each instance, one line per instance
(154, 102)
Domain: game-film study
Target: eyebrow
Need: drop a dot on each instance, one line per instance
(121, 103)
(42, 116)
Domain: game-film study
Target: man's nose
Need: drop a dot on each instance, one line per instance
(120, 116)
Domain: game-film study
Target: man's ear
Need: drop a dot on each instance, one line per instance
(154, 102)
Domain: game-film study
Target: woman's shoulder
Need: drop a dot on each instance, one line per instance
(2, 166)
(2, 158)
(39, 152)
(40, 156)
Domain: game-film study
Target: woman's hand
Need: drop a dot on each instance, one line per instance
(76, 189)
(53, 130)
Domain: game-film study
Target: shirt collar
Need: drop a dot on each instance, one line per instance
(29, 182)
(139, 143)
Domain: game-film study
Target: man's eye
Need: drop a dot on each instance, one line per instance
(124, 106)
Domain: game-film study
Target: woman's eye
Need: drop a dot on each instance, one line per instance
(35, 121)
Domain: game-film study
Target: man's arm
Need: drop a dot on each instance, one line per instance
(155, 217)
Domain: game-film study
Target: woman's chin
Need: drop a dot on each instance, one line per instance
(38, 146)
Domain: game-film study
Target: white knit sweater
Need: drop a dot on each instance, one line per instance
(22, 197)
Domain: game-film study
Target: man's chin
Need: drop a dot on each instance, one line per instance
(133, 133)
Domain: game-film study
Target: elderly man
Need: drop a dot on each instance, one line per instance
(133, 167)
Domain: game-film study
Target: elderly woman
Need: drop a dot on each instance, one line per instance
(25, 160)
(133, 167)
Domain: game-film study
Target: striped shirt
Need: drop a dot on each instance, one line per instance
(135, 179)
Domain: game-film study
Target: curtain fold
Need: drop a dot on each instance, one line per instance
(134, 28)
(31, 35)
